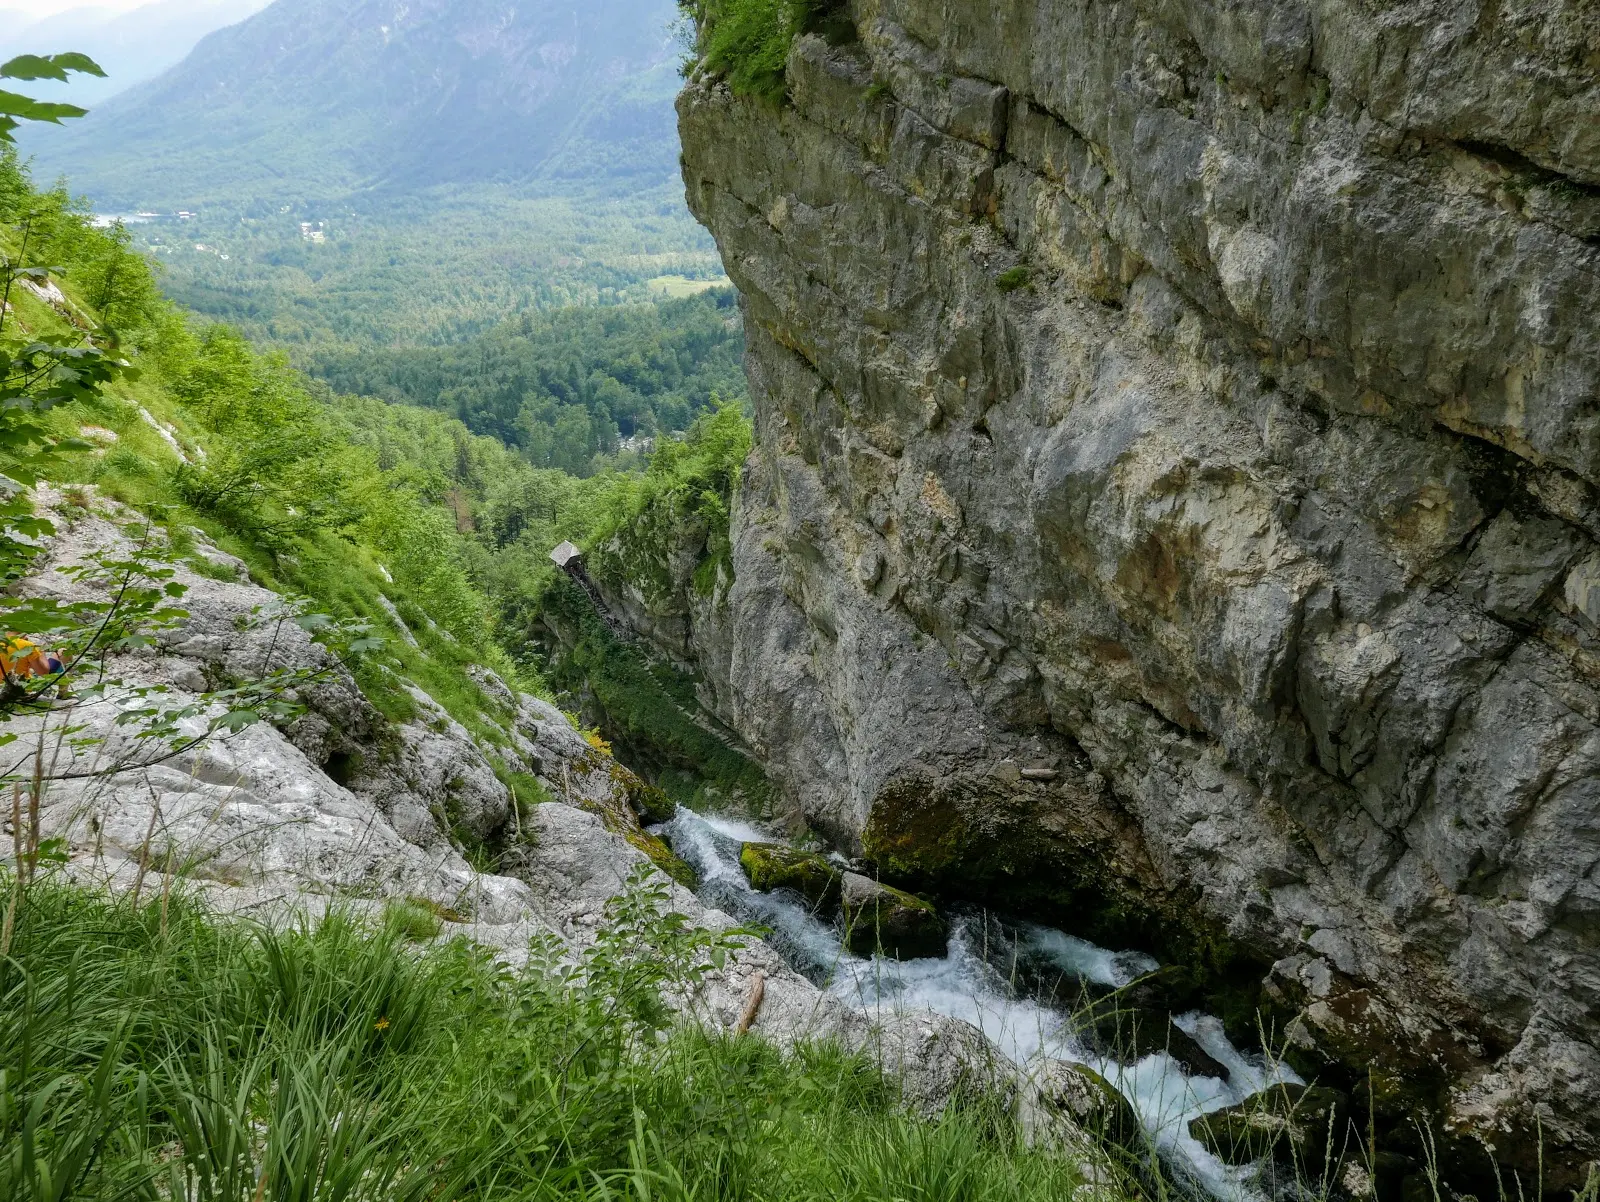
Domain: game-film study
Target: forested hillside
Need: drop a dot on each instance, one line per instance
(565, 386)
(349, 499)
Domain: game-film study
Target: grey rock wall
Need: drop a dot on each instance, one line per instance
(1176, 478)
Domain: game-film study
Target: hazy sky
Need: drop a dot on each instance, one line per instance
(48, 8)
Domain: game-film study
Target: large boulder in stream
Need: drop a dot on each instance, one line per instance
(879, 918)
(769, 866)
(1130, 1033)
(1084, 1098)
(1297, 1125)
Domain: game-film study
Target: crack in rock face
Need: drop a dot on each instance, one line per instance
(1174, 505)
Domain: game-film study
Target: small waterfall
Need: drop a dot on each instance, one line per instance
(979, 982)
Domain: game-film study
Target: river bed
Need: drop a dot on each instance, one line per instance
(978, 982)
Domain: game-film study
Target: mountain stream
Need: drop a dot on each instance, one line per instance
(977, 982)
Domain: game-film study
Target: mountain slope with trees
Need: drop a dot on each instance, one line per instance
(400, 175)
(319, 100)
(565, 386)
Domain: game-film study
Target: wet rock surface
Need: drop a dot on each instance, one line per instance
(1175, 507)
(1300, 1127)
(1088, 1100)
(880, 918)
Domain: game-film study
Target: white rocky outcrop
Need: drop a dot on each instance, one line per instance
(254, 821)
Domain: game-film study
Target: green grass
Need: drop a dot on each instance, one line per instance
(747, 42)
(413, 920)
(1011, 279)
(679, 286)
(148, 1054)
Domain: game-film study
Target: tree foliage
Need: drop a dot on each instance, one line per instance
(566, 387)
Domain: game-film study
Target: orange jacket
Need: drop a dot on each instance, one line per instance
(23, 658)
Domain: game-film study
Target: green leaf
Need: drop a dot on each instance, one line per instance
(236, 720)
(49, 66)
(12, 104)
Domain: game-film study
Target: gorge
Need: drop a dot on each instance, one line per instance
(1128, 640)
(1174, 509)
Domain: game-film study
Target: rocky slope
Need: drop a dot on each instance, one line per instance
(1175, 504)
(346, 807)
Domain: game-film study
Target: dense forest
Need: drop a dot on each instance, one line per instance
(347, 499)
(565, 386)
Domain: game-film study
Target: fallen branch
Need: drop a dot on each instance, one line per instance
(758, 991)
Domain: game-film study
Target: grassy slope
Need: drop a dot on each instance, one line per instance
(243, 1065)
(350, 501)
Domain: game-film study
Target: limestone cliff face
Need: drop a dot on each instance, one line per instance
(1176, 497)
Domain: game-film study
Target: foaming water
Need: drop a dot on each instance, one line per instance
(1080, 958)
(978, 982)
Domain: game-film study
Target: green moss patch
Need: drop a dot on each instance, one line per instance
(770, 866)
(894, 923)
(663, 858)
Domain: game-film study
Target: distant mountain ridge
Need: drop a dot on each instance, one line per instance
(132, 46)
(315, 100)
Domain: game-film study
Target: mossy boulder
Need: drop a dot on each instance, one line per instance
(1295, 1125)
(1091, 1102)
(663, 857)
(879, 918)
(770, 866)
(651, 803)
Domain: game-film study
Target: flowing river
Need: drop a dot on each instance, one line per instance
(977, 981)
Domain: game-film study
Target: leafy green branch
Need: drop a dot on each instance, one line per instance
(16, 108)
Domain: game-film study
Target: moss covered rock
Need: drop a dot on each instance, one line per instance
(1296, 1125)
(1089, 1100)
(770, 866)
(651, 803)
(879, 918)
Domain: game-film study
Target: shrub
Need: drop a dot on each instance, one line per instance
(747, 41)
(1011, 279)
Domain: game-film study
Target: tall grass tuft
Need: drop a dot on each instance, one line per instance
(220, 1061)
